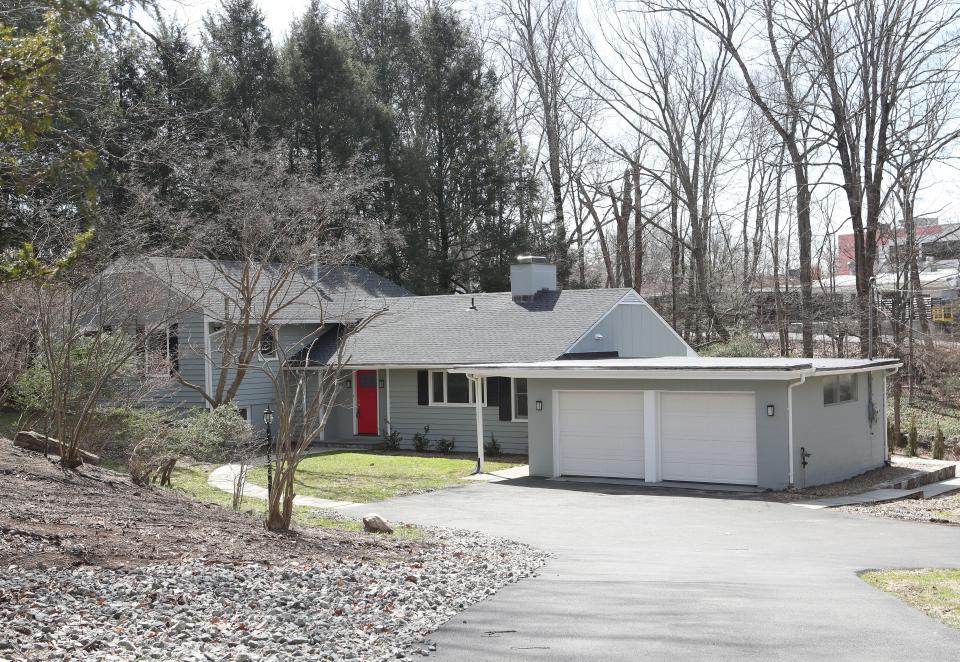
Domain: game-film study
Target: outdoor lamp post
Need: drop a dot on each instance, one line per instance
(267, 420)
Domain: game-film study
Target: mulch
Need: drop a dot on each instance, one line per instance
(96, 516)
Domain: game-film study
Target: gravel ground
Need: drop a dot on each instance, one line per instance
(941, 510)
(345, 610)
(94, 568)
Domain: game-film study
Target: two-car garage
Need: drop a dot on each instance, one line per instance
(768, 422)
(693, 437)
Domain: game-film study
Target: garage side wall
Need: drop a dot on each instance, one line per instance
(839, 437)
(772, 432)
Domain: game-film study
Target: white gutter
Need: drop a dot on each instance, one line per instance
(600, 373)
(802, 379)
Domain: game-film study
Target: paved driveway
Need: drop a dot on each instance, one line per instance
(644, 575)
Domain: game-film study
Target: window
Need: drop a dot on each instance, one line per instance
(452, 389)
(268, 344)
(840, 388)
(160, 350)
(519, 399)
(244, 413)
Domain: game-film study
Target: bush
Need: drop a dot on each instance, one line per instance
(738, 346)
(492, 448)
(912, 439)
(891, 437)
(220, 435)
(446, 445)
(421, 443)
(391, 439)
(938, 444)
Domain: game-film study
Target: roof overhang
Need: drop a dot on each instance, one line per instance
(657, 369)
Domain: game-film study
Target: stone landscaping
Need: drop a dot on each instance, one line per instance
(339, 610)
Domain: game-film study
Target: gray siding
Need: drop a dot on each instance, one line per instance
(635, 331)
(407, 417)
(191, 350)
(772, 432)
(839, 437)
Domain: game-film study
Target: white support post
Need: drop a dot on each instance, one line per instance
(651, 446)
(387, 379)
(478, 405)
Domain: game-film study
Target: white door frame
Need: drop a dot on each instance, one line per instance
(555, 397)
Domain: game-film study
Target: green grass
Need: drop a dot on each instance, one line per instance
(375, 476)
(191, 479)
(935, 592)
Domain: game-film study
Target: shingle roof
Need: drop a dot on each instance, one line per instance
(342, 293)
(445, 330)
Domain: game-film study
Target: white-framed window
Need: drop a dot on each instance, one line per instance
(839, 388)
(244, 413)
(453, 389)
(519, 394)
(268, 344)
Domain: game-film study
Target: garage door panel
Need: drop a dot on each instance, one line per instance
(708, 437)
(600, 434)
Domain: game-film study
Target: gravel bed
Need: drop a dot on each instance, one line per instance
(344, 609)
(941, 510)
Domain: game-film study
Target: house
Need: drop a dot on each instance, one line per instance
(587, 382)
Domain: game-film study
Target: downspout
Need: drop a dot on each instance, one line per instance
(478, 405)
(802, 379)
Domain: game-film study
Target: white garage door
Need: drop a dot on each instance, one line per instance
(708, 437)
(600, 433)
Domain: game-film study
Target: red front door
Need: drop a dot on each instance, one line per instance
(366, 382)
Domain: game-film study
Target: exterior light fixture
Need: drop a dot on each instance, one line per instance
(380, 383)
(770, 410)
(539, 405)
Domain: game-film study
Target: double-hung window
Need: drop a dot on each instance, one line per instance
(519, 399)
(839, 388)
(268, 344)
(160, 350)
(452, 389)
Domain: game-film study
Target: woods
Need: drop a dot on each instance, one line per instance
(733, 162)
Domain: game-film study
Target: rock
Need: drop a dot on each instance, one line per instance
(373, 523)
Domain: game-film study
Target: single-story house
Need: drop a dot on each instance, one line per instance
(589, 382)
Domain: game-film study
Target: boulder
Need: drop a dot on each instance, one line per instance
(373, 523)
(40, 443)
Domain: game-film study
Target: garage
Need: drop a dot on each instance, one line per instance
(600, 433)
(708, 437)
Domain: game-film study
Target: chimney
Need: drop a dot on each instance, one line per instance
(530, 275)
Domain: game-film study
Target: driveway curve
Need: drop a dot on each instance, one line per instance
(669, 575)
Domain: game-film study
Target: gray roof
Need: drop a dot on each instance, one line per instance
(342, 292)
(445, 330)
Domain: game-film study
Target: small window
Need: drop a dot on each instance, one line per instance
(244, 413)
(452, 389)
(839, 388)
(519, 399)
(268, 344)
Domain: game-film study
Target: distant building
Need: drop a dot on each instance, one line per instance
(935, 242)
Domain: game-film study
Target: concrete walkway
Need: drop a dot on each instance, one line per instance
(222, 478)
(511, 473)
(884, 495)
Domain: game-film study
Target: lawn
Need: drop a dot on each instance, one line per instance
(934, 592)
(191, 479)
(375, 476)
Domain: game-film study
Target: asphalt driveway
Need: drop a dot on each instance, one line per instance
(668, 575)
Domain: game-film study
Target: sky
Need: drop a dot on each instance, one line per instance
(277, 12)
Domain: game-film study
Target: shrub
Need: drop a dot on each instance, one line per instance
(421, 443)
(220, 435)
(738, 346)
(938, 444)
(891, 437)
(912, 439)
(446, 445)
(391, 438)
(492, 448)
